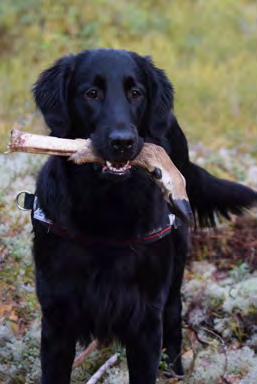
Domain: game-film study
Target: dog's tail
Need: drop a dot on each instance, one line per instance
(211, 197)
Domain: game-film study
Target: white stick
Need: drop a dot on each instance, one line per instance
(48, 145)
(101, 371)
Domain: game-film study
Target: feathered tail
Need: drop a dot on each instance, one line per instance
(209, 196)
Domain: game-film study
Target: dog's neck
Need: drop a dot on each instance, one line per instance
(102, 204)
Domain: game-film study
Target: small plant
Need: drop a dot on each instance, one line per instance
(163, 361)
(240, 271)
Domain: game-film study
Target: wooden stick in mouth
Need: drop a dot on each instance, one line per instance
(152, 158)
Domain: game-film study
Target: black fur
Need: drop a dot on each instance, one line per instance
(129, 292)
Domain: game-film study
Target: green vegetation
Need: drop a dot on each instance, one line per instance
(207, 48)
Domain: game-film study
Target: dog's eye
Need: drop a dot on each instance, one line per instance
(134, 94)
(92, 94)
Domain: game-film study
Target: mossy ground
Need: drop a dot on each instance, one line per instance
(219, 295)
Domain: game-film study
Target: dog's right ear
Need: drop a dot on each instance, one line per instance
(51, 94)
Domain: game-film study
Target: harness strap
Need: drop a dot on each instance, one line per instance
(31, 203)
(108, 241)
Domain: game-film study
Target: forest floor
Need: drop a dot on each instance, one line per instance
(219, 290)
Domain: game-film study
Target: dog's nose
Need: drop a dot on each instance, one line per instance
(122, 143)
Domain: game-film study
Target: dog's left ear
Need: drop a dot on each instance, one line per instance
(51, 94)
(160, 95)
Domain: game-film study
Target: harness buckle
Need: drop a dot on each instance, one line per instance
(28, 199)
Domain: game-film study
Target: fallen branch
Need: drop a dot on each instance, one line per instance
(101, 371)
(152, 158)
(83, 356)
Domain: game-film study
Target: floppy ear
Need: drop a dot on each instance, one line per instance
(160, 95)
(50, 94)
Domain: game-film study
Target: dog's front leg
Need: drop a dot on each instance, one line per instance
(57, 354)
(172, 316)
(143, 351)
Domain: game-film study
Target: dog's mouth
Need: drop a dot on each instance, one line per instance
(118, 169)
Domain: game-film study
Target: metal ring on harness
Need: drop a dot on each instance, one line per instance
(17, 200)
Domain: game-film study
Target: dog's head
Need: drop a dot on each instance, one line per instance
(116, 98)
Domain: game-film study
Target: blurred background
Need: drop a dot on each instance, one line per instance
(207, 48)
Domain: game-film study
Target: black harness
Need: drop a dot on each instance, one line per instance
(31, 203)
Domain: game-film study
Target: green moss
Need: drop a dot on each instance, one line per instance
(252, 311)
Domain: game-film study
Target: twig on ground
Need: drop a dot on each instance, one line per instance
(187, 377)
(222, 342)
(103, 369)
(82, 357)
(191, 368)
(191, 329)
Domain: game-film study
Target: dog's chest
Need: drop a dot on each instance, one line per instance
(128, 210)
(110, 288)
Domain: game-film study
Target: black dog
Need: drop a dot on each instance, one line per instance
(107, 263)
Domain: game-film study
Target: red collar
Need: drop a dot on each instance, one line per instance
(148, 238)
